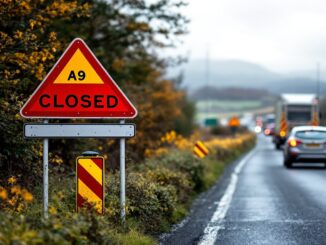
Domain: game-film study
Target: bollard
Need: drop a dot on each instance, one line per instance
(90, 168)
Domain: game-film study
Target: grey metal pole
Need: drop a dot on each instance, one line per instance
(45, 176)
(318, 80)
(207, 83)
(122, 178)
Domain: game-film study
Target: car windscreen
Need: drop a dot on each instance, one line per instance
(270, 120)
(311, 135)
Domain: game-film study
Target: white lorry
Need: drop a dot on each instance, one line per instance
(293, 110)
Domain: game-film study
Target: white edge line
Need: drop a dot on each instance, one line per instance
(214, 225)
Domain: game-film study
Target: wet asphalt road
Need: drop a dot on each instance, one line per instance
(269, 205)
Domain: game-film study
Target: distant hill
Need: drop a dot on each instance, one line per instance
(297, 85)
(241, 74)
(210, 92)
(233, 94)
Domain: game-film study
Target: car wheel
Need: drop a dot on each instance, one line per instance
(287, 163)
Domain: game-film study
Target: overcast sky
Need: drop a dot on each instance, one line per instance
(283, 35)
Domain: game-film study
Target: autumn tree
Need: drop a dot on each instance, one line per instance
(125, 36)
(28, 49)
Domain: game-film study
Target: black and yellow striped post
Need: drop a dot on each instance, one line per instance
(200, 150)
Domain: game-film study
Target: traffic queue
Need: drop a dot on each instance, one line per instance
(295, 129)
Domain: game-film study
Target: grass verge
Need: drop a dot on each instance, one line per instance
(159, 194)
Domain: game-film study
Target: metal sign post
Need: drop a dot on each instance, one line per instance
(122, 178)
(45, 175)
(48, 131)
(75, 89)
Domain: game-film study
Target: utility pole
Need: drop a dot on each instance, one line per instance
(318, 80)
(317, 114)
(207, 78)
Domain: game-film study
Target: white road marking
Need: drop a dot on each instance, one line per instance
(215, 224)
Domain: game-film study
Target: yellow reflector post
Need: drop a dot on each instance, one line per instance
(200, 150)
(90, 183)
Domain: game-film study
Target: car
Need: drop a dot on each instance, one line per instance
(305, 144)
(269, 129)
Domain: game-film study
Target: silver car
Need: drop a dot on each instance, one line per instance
(305, 144)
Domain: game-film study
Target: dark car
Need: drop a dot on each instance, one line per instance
(305, 144)
(269, 129)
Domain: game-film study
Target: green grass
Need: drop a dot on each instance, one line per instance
(222, 108)
(133, 237)
(213, 170)
(226, 105)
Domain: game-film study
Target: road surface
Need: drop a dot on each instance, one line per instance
(258, 201)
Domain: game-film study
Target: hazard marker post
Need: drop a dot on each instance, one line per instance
(78, 86)
(200, 150)
(90, 170)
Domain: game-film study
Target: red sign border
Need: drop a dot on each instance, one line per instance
(52, 71)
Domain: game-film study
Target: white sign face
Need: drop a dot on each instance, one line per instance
(34, 130)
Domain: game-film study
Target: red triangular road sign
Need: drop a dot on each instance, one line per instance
(78, 87)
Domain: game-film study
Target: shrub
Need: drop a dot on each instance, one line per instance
(226, 131)
(85, 228)
(148, 202)
(159, 192)
(167, 177)
(184, 162)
